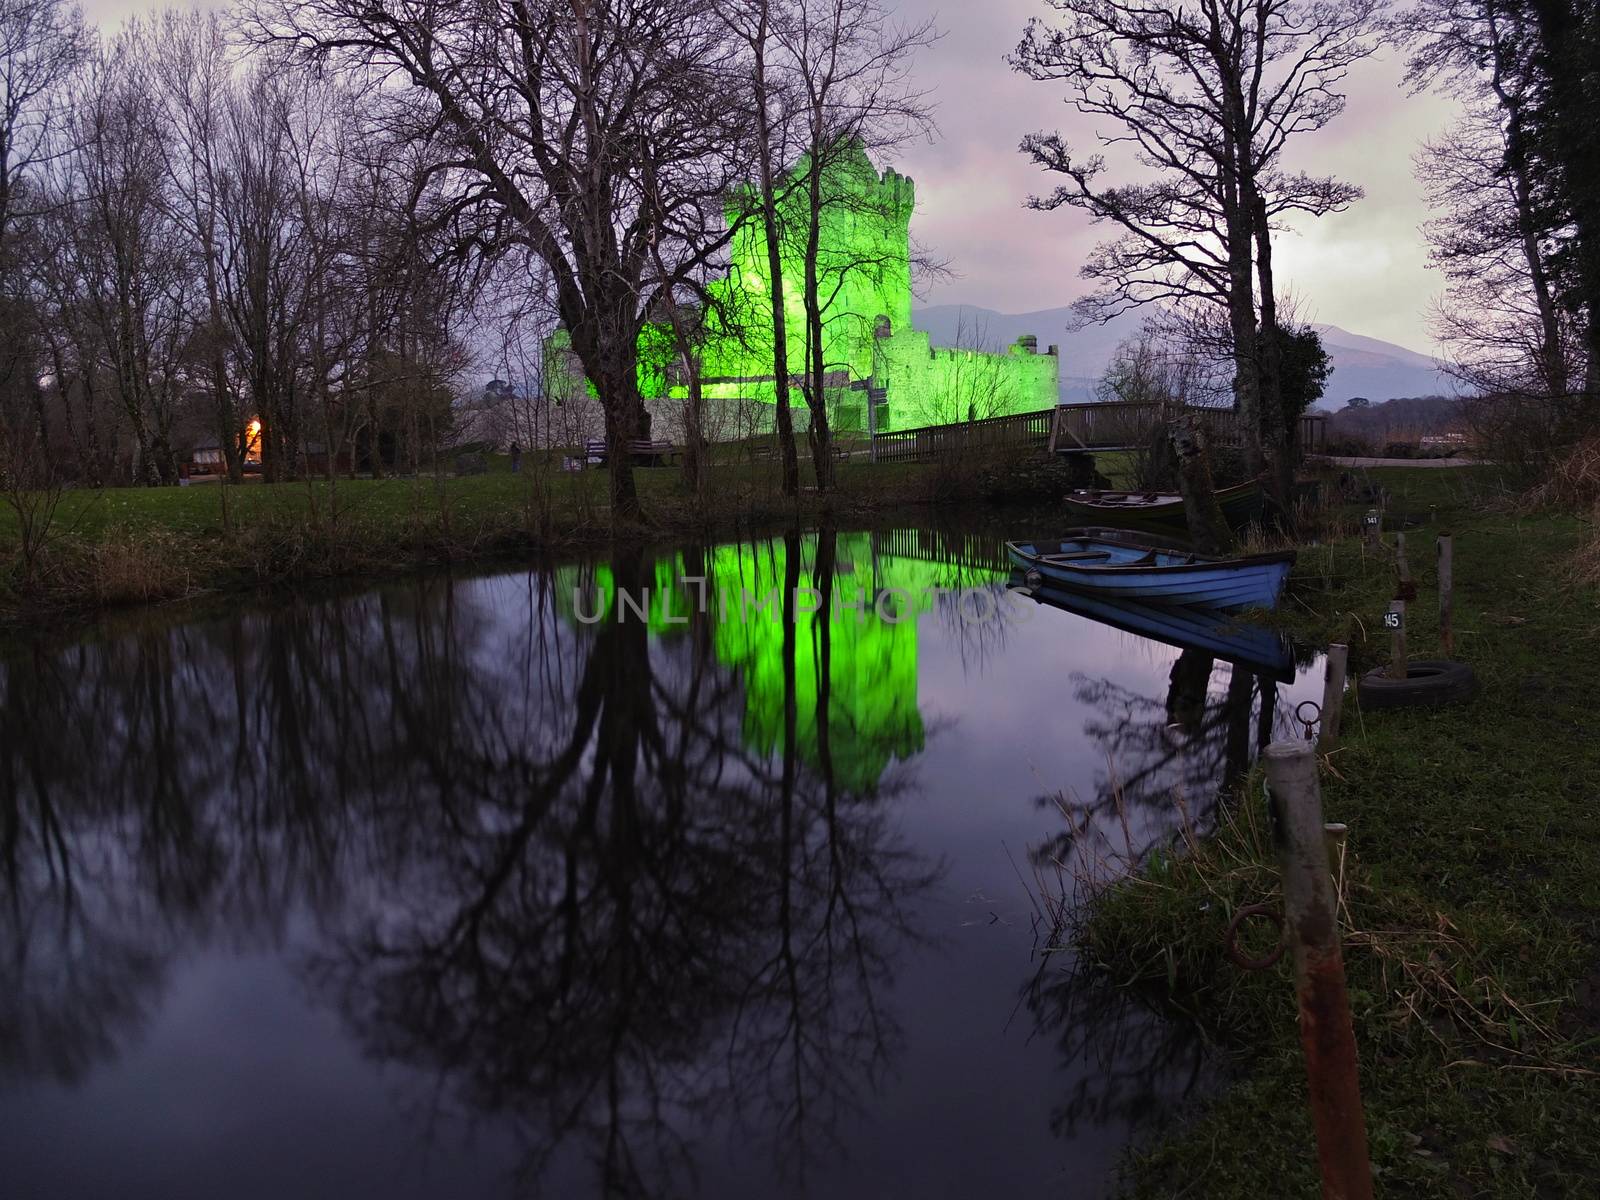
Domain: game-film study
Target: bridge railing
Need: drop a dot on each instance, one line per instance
(937, 441)
(1115, 425)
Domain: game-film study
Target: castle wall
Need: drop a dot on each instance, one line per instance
(864, 270)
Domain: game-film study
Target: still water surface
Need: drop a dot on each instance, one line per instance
(451, 890)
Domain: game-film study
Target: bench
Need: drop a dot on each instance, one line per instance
(643, 451)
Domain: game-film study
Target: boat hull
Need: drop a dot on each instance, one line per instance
(1158, 574)
(1254, 647)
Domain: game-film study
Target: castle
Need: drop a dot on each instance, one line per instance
(869, 347)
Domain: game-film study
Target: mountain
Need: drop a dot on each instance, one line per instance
(1362, 366)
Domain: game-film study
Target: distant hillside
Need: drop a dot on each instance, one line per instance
(1362, 366)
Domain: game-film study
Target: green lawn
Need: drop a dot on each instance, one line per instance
(133, 545)
(1473, 944)
(199, 509)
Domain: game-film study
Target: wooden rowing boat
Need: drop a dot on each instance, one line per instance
(1111, 563)
(1240, 504)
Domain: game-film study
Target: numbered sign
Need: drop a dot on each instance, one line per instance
(1394, 620)
(1374, 520)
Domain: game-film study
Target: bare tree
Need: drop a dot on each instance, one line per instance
(30, 486)
(1206, 97)
(189, 53)
(851, 69)
(773, 108)
(130, 260)
(1517, 334)
(42, 43)
(545, 115)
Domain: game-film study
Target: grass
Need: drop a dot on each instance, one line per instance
(136, 545)
(1472, 889)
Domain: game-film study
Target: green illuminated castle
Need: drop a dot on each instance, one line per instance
(869, 346)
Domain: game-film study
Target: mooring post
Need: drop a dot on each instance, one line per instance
(1402, 569)
(1372, 526)
(1447, 633)
(1395, 619)
(1311, 924)
(1332, 695)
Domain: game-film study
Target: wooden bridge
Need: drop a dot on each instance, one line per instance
(1070, 429)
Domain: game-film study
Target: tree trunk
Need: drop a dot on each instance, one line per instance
(1277, 438)
(1208, 528)
(694, 465)
(1567, 48)
(789, 458)
(621, 406)
(816, 362)
(1242, 323)
(1553, 353)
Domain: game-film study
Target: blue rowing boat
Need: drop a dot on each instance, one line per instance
(1110, 563)
(1256, 648)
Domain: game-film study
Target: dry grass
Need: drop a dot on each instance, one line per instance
(1573, 483)
(1412, 968)
(137, 568)
(1586, 562)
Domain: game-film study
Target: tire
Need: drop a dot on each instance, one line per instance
(1429, 683)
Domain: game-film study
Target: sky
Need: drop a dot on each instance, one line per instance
(1364, 270)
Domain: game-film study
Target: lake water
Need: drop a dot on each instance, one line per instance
(590, 881)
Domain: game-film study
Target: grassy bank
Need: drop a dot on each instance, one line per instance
(140, 545)
(1472, 890)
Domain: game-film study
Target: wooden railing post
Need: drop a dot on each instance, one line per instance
(1333, 680)
(1447, 633)
(1311, 926)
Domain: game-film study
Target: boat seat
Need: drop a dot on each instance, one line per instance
(1075, 556)
(1147, 560)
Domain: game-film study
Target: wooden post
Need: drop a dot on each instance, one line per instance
(1402, 569)
(1447, 633)
(1332, 696)
(1396, 621)
(1311, 925)
(1372, 527)
(1208, 529)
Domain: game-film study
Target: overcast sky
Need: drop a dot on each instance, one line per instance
(1364, 269)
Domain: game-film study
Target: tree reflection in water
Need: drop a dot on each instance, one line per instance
(549, 874)
(1170, 761)
(612, 886)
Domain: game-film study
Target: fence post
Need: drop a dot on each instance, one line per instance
(1311, 925)
(1396, 621)
(1447, 633)
(1402, 568)
(1332, 696)
(1372, 526)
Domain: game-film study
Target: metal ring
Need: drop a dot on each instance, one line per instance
(1316, 708)
(1230, 944)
